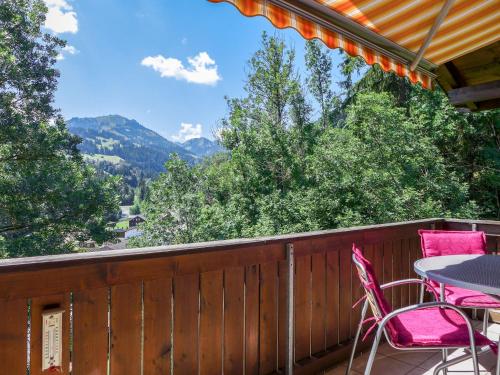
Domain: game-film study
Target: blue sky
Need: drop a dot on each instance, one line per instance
(130, 57)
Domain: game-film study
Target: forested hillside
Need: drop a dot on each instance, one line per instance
(119, 146)
(301, 156)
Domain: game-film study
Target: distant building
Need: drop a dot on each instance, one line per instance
(119, 245)
(120, 233)
(133, 221)
(89, 244)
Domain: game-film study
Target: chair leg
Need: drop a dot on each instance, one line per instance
(373, 352)
(444, 357)
(443, 351)
(452, 362)
(422, 293)
(474, 359)
(486, 319)
(356, 338)
(498, 359)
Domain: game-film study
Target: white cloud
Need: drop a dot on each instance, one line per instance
(187, 132)
(67, 50)
(60, 17)
(201, 70)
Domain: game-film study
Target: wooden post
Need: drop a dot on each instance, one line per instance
(290, 309)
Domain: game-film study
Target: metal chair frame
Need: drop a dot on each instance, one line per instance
(371, 300)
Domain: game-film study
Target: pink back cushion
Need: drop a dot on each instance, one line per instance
(373, 284)
(445, 242)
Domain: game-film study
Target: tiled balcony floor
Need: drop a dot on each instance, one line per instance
(395, 362)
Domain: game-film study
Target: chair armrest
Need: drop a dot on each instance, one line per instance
(410, 281)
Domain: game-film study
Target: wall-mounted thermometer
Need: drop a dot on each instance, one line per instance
(52, 338)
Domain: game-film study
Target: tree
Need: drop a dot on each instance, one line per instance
(469, 143)
(48, 196)
(285, 172)
(383, 167)
(173, 206)
(319, 64)
(135, 209)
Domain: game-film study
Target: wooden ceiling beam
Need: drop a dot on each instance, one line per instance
(458, 81)
(476, 93)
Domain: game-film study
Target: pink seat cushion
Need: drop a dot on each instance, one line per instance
(432, 327)
(468, 298)
(445, 242)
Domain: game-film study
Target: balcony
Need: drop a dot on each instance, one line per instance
(227, 307)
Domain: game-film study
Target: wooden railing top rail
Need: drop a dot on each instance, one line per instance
(472, 221)
(67, 260)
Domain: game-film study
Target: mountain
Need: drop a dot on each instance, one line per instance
(120, 146)
(202, 147)
(117, 140)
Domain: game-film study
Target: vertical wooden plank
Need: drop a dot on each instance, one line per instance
(252, 319)
(405, 271)
(37, 306)
(491, 244)
(211, 323)
(13, 328)
(302, 296)
(318, 303)
(378, 261)
(387, 248)
(126, 329)
(234, 323)
(90, 331)
(413, 257)
(268, 350)
(345, 294)
(396, 273)
(332, 298)
(282, 312)
(157, 326)
(186, 308)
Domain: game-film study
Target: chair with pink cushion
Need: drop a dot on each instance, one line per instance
(432, 325)
(442, 242)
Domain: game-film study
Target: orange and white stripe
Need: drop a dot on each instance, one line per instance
(468, 26)
(283, 18)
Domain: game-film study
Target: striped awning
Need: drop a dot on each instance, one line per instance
(409, 37)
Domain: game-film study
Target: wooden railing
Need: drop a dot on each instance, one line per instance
(212, 308)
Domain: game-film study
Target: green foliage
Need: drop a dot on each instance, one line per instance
(124, 224)
(383, 167)
(48, 196)
(319, 64)
(468, 142)
(135, 209)
(386, 158)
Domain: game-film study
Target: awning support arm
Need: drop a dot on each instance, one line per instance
(434, 29)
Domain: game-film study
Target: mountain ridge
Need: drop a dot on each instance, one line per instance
(120, 146)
